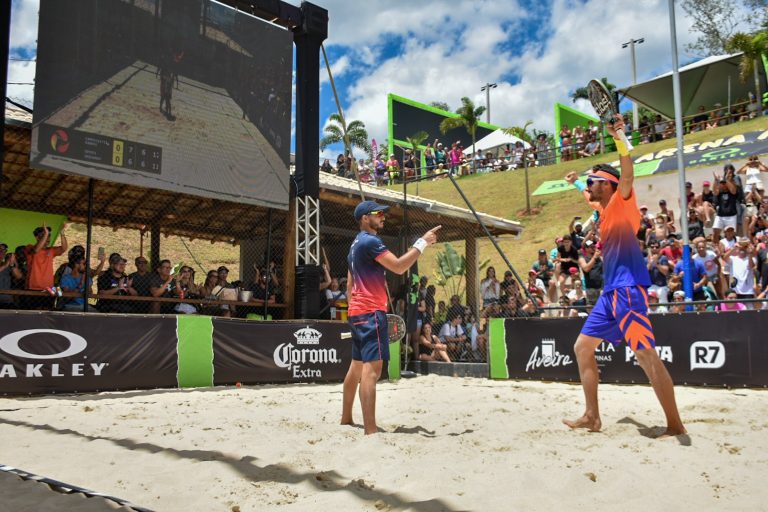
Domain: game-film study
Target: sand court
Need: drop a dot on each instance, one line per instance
(448, 444)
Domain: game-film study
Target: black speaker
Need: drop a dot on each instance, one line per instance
(307, 291)
(314, 20)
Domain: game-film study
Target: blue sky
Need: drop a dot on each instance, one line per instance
(538, 52)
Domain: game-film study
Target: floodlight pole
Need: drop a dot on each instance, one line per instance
(631, 43)
(487, 88)
(687, 279)
(5, 35)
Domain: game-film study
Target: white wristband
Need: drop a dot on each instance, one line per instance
(420, 244)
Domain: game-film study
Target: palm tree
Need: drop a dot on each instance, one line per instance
(441, 105)
(417, 140)
(582, 93)
(469, 117)
(753, 46)
(352, 135)
(521, 132)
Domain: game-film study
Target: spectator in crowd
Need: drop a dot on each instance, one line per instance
(393, 169)
(77, 280)
(591, 264)
(9, 271)
(659, 126)
(455, 308)
(453, 336)
(658, 269)
(186, 289)
(699, 122)
(114, 282)
(672, 249)
(731, 306)
(40, 258)
(511, 307)
(727, 194)
(440, 154)
(163, 284)
(490, 288)
(591, 148)
(576, 229)
(536, 286)
(568, 258)
(565, 310)
(741, 258)
(543, 150)
(429, 300)
(430, 346)
(326, 166)
(660, 230)
(545, 271)
(335, 296)
(709, 259)
(678, 302)
(409, 164)
(429, 160)
(263, 287)
(577, 297)
(653, 304)
(140, 282)
(455, 157)
(341, 165)
(668, 214)
(698, 276)
(695, 226)
(223, 276)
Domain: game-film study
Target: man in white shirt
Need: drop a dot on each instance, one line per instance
(452, 334)
(709, 258)
(743, 270)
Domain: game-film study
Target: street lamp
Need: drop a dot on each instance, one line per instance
(631, 43)
(487, 88)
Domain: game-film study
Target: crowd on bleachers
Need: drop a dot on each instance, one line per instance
(30, 268)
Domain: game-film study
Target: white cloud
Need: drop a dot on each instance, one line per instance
(338, 68)
(24, 23)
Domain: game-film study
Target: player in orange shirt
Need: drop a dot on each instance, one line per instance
(621, 313)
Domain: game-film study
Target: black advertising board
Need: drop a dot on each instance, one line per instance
(312, 351)
(716, 349)
(69, 352)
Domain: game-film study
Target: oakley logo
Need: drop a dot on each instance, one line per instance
(10, 344)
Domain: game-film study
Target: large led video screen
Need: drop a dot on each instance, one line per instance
(184, 95)
(408, 117)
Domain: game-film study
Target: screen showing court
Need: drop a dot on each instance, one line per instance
(183, 95)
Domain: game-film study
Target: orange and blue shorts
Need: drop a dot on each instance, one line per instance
(622, 314)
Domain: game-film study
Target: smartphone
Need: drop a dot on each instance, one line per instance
(102, 253)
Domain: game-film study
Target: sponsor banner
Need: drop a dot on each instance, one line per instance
(702, 349)
(736, 147)
(64, 352)
(250, 352)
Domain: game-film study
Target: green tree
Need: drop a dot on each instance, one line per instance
(753, 46)
(469, 117)
(521, 132)
(582, 93)
(451, 271)
(352, 135)
(417, 140)
(717, 21)
(441, 105)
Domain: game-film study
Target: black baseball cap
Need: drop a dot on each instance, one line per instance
(223, 269)
(368, 207)
(116, 258)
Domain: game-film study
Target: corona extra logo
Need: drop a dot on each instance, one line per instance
(307, 336)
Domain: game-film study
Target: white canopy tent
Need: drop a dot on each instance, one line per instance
(705, 82)
(495, 140)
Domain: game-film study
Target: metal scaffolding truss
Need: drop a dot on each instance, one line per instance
(307, 231)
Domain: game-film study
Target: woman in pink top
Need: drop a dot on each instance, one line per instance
(731, 306)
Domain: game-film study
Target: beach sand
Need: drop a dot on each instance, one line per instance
(449, 444)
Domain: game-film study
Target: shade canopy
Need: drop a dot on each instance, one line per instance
(495, 140)
(704, 82)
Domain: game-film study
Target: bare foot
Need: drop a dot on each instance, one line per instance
(672, 432)
(587, 422)
(347, 421)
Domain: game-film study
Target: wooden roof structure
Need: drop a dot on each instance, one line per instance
(126, 206)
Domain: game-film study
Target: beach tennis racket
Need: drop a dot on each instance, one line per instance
(395, 329)
(603, 103)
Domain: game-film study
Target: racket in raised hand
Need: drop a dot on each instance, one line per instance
(395, 329)
(603, 103)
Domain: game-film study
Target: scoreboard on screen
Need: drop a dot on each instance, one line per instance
(408, 117)
(99, 149)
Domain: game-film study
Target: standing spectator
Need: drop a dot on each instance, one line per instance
(576, 230)
(741, 258)
(568, 258)
(695, 226)
(440, 156)
(162, 284)
(429, 300)
(490, 288)
(335, 296)
(327, 167)
(9, 271)
(40, 258)
(545, 270)
(393, 168)
(77, 281)
(728, 194)
(658, 269)
(543, 151)
(455, 308)
(591, 264)
(700, 120)
(429, 160)
(659, 126)
(140, 282)
(409, 164)
(114, 282)
(455, 156)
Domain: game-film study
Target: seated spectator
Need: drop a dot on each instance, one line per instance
(568, 258)
(653, 304)
(659, 270)
(699, 122)
(455, 308)
(327, 167)
(114, 282)
(262, 287)
(453, 336)
(545, 271)
(698, 276)
(162, 284)
(430, 346)
(659, 126)
(536, 286)
(577, 297)
(511, 307)
(334, 294)
(76, 281)
(695, 225)
(672, 250)
(140, 282)
(678, 302)
(565, 304)
(731, 306)
(490, 288)
(9, 271)
(186, 289)
(709, 259)
(668, 214)
(590, 149)
(210, 290)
